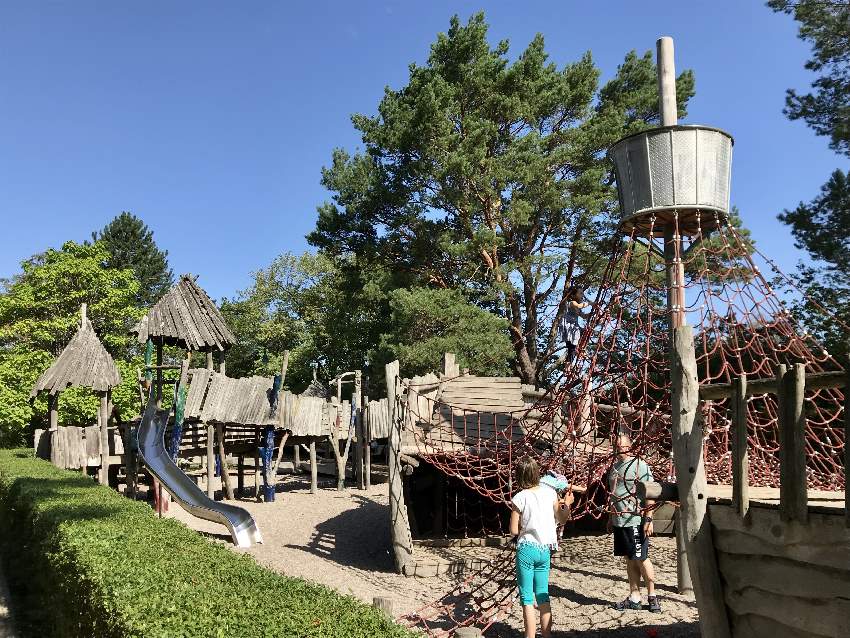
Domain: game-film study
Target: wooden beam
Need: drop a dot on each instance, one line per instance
(314, 468)
(225, 470)
(793, 500)
(740, 456)
(690, 475)
(158, 369)
(356, 405)
(210, 460)
(367, 447)
(401, 537)
(814, 381)
(657, 491)
(103, 421)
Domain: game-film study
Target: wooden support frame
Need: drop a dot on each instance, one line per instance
(740, 456)
(357, 407)
(314, 468)
(793, 499)
(210, 460)
(401, 538)
(103, 422)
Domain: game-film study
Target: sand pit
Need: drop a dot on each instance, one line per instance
(342, 540)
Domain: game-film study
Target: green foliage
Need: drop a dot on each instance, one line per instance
(826, 26)
(40, 307)
(40, 312)
(822, 227)
(426, 323)
(490, 176)
(131, 245)
(92, 563)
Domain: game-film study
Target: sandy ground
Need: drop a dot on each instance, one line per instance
(342, 540)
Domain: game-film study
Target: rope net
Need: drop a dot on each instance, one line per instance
(619, 380)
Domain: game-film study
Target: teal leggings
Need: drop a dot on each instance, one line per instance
(532, 573)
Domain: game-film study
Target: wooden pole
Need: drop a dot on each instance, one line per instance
(103, 421)
(159, 373)
(793, 500)
(356, 405)
(210, 460)
(225, 470)
(53, 403)
(314, 470)
(401, 538)
(209, 360)
(240, 475)
(740, 457)
(666, 81)
(690, 476)
(367, 444)
(257, 437)
(296, 458)
(222, 364)
(684, 584)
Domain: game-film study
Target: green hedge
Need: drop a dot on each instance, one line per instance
(93, 563)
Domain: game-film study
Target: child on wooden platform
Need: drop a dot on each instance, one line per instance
(536, 512)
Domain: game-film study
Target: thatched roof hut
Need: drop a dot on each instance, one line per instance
(84, 363)
(185, 317)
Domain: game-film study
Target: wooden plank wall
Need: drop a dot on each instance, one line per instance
(783, 578)
(74, 447)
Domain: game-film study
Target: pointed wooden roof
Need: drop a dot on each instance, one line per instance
(186, 317)
(83, 363)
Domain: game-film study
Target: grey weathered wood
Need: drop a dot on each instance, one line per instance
(314, 468)
(666, 81)
(657, 491)
(384, 604)
(367, 443)
(468, 632)
(257, 467)
(684, 582)
(356, 405)
(186, 317)
(225, 470)
(401, 537)
(210, 460)
(740, 456)
(450, 367)
(103, 418)
(793, 501)
(814, 381)
(159, 373)
(690, 475)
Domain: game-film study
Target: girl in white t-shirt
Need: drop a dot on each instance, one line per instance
(536, 512)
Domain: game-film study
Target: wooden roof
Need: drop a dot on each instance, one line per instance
(84, 363)
(185, 317)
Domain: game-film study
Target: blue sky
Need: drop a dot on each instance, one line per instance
(211, 120)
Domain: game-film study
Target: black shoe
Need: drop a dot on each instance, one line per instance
(628, 603)
(654, 605)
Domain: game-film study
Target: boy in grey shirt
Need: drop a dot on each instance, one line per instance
(631, 528)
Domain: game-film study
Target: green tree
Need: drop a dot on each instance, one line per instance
(131, 245)
(39, 313)
(826, 26)
(490, 176)
(822, 226)
(425, 323)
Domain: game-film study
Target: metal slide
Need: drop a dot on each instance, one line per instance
(190, 497)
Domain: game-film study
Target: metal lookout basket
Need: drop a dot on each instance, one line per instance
(684, 170)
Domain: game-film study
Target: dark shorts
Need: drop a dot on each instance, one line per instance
(631, 543)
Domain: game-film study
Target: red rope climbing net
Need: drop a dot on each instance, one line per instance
(620, 381)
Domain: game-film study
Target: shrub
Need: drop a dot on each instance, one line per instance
(93, 563)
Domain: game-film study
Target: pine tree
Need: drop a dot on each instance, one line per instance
(131, 245)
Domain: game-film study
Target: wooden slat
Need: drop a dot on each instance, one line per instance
(740, 457)
(793, 501)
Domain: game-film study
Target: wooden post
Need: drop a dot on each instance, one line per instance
(793, 500)
(225, 470)
(209, 360)
(296, 458)
(210, 460)
(103, 421)
(240, 475)
(690, 476)
(159, 373)
(684, 584)
(367, 444)
(450, 367)
(53, 406)
(222, 365)
(740, 457)
(356, 401)
(666, 81)
(314, 470)
(401, 538)
(257, 437)
(468, 632)
(384, 604)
